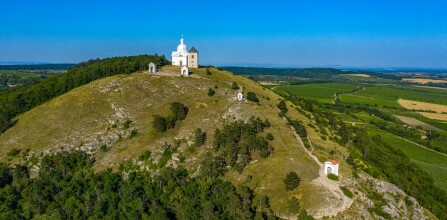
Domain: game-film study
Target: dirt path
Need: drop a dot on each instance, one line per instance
(333, 187)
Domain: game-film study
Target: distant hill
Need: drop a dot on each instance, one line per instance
(319, 73)
(58, 66)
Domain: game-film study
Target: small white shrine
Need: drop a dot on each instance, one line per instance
(152, 67)
(184, 71)
(240, 95)
(331, 166)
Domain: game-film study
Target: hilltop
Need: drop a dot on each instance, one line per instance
(111, 119)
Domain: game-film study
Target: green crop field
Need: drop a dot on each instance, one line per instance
(388, 95)
(367, 79)
(434, 163)
(323, 92)
(22, 74)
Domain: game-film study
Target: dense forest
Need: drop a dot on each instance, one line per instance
(382, 160)
(67, 188)
(19, 99)
(319, 73)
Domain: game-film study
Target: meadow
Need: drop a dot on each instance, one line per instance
(388, 95)
(323, 92)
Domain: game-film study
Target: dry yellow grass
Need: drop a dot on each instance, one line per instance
(424, 106)
(360, 74)
(425, 81)
(436, 116)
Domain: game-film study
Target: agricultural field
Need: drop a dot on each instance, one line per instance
(323, 92)
(414, 122)
(434, 163)
(19, 73)
(439, 112)
(388, 95)
(364, 78)
(424, 81)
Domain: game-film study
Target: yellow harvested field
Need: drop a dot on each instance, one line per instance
(266, 83)
(425, 81)
(360, 74)
(439, 109)
(436, 116)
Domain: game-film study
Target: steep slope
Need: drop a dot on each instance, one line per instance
(112, 119)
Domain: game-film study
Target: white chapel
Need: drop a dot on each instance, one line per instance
(181, 57)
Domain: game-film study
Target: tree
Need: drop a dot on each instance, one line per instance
(179, 111)
(292, 181)
(269, 137)
(208, 72)
(282, 107)
(251, 96)
(211, 92)
(234, 85)
(159, 123)
(199, 137)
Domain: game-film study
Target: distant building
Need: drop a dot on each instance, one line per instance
(152, 67)
(331, 166)
(181, 57)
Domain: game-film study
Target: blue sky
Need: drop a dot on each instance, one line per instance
(357, 33)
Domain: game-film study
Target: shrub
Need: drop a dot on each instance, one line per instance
(145, 155)
(13, 152)
(103, 148)
(292, 181)
(199, 137)
(282, 107)
(133, 133)
(234, 85)
(251, 96)
(332, 176)
(179, 110)
(269, 136)
(347, 192)
(211, 92)
(208, 72)
(126, 124)
(159, 123)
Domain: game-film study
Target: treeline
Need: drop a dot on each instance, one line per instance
(59, 66)
(235, 146)
(15, 80)
(67, 188)
(14, 101)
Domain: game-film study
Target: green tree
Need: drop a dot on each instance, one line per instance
(179, 111)
(282, 107)
(292, 181)
(251, 96)
(199, 137)
(159, 123)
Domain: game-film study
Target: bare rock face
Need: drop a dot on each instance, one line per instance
(376, 199)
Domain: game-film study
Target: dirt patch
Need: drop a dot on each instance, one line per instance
(414, 122)
(425, 81)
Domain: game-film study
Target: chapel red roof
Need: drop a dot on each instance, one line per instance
(335, 162)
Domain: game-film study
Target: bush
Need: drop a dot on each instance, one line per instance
(133, 133)
(332, 176)
(347, 192)
(126, 124)
(145, 155)
(282, 107)
(159, 123)
(179, 111)
(208, 72)
(13, 152)
(269, 137)
(234, 85)
(251, 96)
(211, 92)
(103, 148)
(292, 181)
(199, 137)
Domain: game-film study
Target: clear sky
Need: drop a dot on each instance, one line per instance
(357, 33)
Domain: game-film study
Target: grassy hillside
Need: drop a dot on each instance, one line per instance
(112, 119)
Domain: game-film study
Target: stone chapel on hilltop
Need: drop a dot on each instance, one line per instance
(185, 58)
